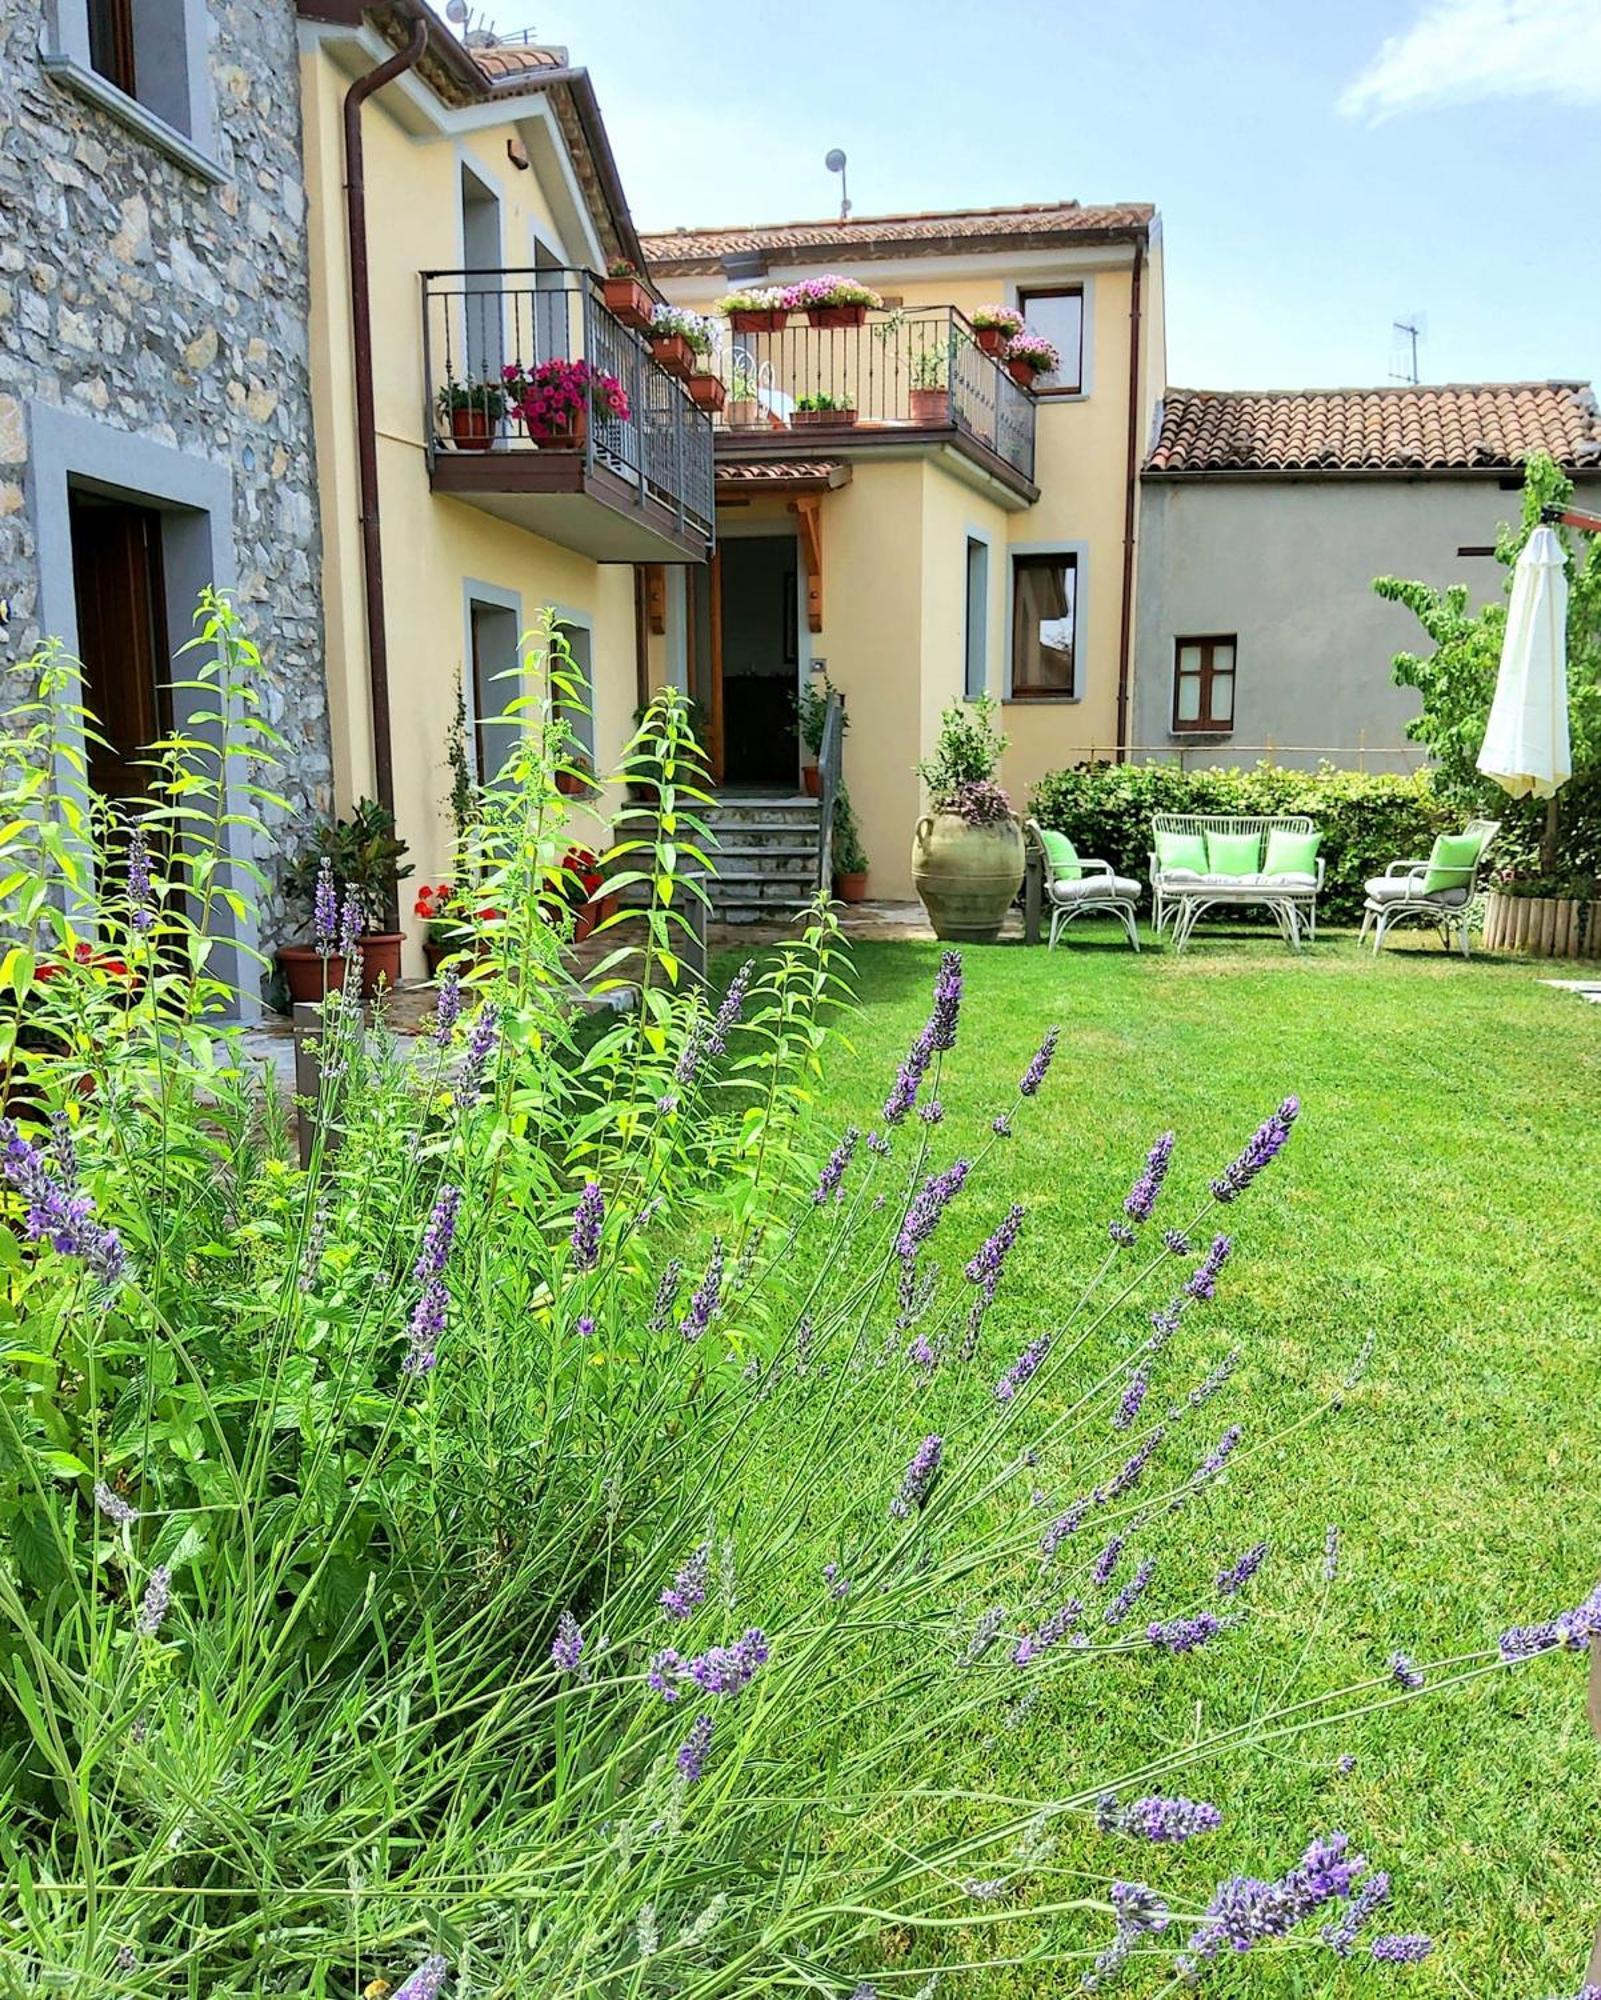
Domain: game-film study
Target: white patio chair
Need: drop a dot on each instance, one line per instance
(1397, 896)
(1096, 892)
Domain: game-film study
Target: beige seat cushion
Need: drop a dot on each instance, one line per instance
(1401, 889)
(1095, 889)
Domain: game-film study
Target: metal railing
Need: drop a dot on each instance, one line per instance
(897, 370)
(487, 333)
(830, 770)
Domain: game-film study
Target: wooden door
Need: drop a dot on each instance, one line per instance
(122, 638)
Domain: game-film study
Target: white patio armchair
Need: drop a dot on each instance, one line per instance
(1096, 891)
(1399, 896)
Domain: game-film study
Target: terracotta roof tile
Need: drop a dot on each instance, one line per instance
(513, 58)
(781, 471)
(926, 232)
(1455, 427)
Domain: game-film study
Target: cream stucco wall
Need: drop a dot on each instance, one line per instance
(433, 547)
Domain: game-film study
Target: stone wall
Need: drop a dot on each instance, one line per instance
(136, 293)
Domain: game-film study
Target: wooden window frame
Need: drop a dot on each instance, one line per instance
(1204, 725)
(111, 22)
(1038, 559)
(1076, 387)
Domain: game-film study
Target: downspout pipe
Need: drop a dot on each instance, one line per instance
(372, 559)
(1125, 638)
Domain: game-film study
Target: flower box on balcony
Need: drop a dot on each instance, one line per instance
(627, 300)
(832, 416)
(1030, 354)
(707, 391)
(836, 316)
(471, 430)
(929, 406)
(673, 353)
(994, 326)
(833, 301)
(773, 321)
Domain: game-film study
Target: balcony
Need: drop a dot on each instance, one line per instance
(899, 380)
(631, 481)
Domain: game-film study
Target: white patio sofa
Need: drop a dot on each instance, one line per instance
(1181, 896)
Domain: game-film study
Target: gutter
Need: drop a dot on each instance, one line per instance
(1130, 493)
(372, 560)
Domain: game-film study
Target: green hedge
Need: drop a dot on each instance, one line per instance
(1367, 819)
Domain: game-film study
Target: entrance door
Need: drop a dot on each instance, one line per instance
(122, 637)
(760, 635)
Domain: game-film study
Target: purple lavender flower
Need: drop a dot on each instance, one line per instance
(1132, 1401)
(482, 1039)
(1065, 1524)
(1573, 1629)
(947, 1002)
(1402, 1948)
(1133, 1469)
(986, 1266)
(984, 1636)
(1024, 1368)
(990, 1891)
(706, 1298)
(425, 1982)
(688, 1588)
(1131, 1593)
(665, 1667)
(729, 1012)
(1184, 1635)
(1245, 1911)
(1331, 1554)
(1001, 1125)
(828, 1181)
(927, 1206)
(922, 1353)
(1263, 1147)
(1141, 1198)
(1055, 1629)
(1203, 1281)
(909, 1079)
(567, 1648)
(1161, 1820)
(352, 922)
(838, 1586)
(144, 915)
(877, 1143)
(588, 1220)
(1233, 1580)
(692, 1751)
(1217, 1458)
(447, 1005)
(690, 1054)
(724, 1670)
(918, 1479)
(1105, 1564)
(666, 1296)
(1203, 1392)
(932, 1113)
(428, 1315)
(58, 1212)
(1137, 1911)
(1176, 1241)
(1039, 1064)
(1404, 1673)
(156, 1602)
(1341, 1935)
(113, 1506)
(440, 1233)
(325, 909)
(1121, 1235)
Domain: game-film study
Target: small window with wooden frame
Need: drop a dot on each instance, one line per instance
(111, 49)
(1203, 684)
(1057, 312)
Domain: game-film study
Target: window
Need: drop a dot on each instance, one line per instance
(1044, 627)
(1203, 684)
(1059, 315)
(120, 597)
(975, 666)
(579, 671)
(144, 62)
(111, 49)
(495, 685)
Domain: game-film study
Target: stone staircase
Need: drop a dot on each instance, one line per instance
(765, 856)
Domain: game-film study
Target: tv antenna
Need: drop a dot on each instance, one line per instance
(834, 160)
(1404, 358)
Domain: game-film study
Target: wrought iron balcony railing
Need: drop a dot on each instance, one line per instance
(529, 361)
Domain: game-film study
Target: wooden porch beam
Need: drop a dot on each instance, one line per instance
(807, 509)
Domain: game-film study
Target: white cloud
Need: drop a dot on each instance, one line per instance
(1460, 51)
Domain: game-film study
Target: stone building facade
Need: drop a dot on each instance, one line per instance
(155, 401)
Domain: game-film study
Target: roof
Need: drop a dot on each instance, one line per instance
(927, 233)
(792, 474)
(1471, 427)
(505, 60)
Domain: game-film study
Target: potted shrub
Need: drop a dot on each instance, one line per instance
(850, 858)
(625, 294)
(967, 851)
(994, 326)
(676, 337)
(929, 395)
(745, 412)
(833, 301)
(366, 858)
(756, 309)
(1029, 354)
(474, 411)
(580, 883)
(823, 413)
(811, 713)
(557, 402)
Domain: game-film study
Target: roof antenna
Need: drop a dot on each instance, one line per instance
(1408, 333)
(835, 163)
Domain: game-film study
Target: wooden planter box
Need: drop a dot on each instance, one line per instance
(821, 420)
(1542, 926)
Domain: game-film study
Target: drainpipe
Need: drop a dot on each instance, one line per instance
(372, 560)
(1131, 487)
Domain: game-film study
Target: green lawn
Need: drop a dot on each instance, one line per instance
(1440, 1192)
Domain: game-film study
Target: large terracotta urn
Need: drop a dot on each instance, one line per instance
(967, 875)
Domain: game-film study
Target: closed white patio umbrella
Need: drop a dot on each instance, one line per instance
(1525, 747)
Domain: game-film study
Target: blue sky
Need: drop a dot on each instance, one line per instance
(1321, 170)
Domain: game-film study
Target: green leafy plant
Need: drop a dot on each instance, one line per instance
(486, 399)
(930, 368)
(811, 711)
(622, 267)
(365, 854)
(823, 402)
(850, 857)
(967, 752)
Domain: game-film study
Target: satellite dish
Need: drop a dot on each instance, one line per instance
(835, 161)
(456, 11)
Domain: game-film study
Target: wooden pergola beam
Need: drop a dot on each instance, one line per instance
(807, 509)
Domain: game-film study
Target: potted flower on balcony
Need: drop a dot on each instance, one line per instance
(929, 396)
(756, 308)
(994, 326)
(967, 851)
(625, 294)
(850, 857)
(474, 412)
(676, 337)
(745, 412)
(558, 400)
(823, 412)
(706, 390)
(1030, 354)
(833, 301)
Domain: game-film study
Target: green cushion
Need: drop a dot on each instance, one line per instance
(1232, 853)
(1181, 850)
(1061, 856)
(1451, 862)
(1291, 853)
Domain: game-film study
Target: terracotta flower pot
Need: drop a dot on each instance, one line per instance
(307, 974)
(472, 429)
(1022, 373)
(966, 875)
(991, 339)
(673, 353)
(380, 960)
(707, 391)
(822, 420)
(569, 440)
(836, 316)
(759, 322)
(627, 300)
(745, 415)
(930, 407)
(811, 781)
(572, 784)
(851, 887)
(588, 915)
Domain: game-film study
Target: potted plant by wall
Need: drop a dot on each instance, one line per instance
(745, 412)
(811, 715)
(756, 308)
(850, 858)
(832, 301)
(823, 413)
(473, 411)
(579, 884)
(929, 396)
(366, 858)
(967, 851)
(443, 934)
(1029, 354)
(558, 401)
(575, 779)
(994, 326)
(625, 294)
(676, 337)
